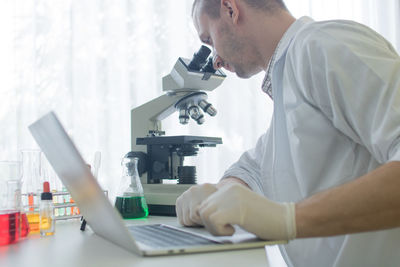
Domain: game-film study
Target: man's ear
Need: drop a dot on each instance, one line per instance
(229, 8)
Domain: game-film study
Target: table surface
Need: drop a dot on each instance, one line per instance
(72, 247)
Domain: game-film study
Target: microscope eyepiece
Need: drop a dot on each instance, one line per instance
(199, 58)
(209, 66)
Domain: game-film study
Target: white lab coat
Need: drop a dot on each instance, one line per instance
(336, 88)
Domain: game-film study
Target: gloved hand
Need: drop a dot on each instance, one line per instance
(188, 203)
(237, 205)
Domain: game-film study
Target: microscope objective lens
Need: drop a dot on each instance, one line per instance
(200, 120)
(183, 116)
(207, 107)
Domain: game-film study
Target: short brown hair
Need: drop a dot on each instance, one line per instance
(212, 7)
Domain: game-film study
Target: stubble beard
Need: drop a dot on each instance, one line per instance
(235, 47)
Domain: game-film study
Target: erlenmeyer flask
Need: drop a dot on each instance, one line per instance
(130, 201)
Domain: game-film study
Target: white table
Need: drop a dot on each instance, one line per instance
(72, 247)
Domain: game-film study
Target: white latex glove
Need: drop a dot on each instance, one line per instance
(188, 203)
(238, 205)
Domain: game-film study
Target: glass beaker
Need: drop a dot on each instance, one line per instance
(32, 182)
(12, 225)
(130, 201)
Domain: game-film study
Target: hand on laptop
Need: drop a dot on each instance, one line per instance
(237, 205)
(187, 204)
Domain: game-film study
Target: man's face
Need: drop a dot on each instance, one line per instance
(234, 52)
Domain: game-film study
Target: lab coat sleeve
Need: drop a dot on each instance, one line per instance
(247, 168)
(352, 75)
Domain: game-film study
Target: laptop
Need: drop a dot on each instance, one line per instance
(104, 219)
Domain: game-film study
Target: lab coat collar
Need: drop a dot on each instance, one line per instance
(279, 51)
(289, 34)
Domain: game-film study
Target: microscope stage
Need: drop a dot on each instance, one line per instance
(178, 140)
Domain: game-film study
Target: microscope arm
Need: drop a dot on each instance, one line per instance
(148, 116)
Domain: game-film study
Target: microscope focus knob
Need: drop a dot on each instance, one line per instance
(158, 167)
(186, 174)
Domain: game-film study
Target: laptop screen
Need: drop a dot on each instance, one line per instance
(77, 178)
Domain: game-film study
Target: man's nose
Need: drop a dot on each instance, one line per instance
(218, 62)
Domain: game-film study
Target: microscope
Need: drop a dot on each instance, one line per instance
(161, 158)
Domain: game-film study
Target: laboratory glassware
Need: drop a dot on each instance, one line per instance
(13, 224)
(130, 201)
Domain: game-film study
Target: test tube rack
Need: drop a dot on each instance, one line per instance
(65, 210)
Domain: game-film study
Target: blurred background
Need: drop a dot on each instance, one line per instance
(91, 61)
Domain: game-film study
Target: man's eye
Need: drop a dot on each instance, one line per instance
(207, 41)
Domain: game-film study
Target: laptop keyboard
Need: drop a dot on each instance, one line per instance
(161, 236)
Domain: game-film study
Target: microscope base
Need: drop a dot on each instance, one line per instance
(161, 198)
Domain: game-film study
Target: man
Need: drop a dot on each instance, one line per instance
(326, 175)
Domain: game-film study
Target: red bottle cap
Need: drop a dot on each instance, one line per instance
(46, 187)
